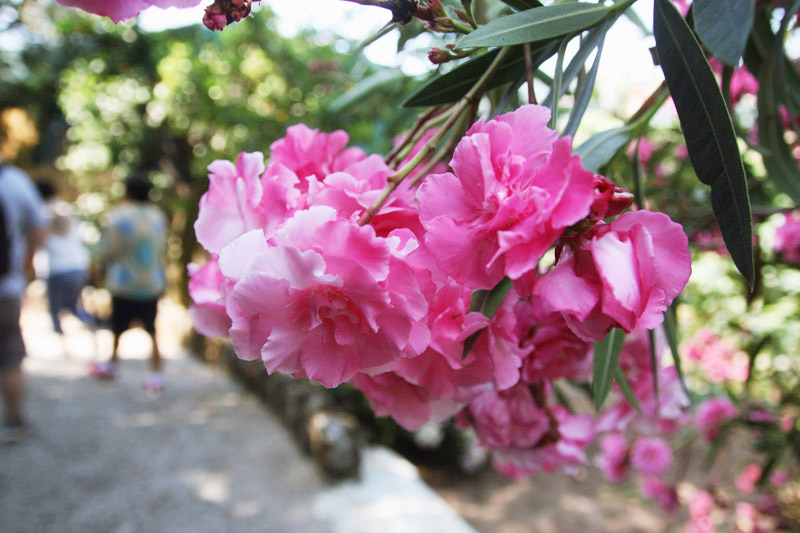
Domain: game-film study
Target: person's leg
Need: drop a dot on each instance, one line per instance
(147, 314)
(12, 382)
(54, 301)
(12, 351)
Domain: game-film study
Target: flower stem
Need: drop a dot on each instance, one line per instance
(466, 101)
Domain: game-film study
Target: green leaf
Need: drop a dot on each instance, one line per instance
(619, 377)
(606, 363)
(486, 302)
(601, 147)
(781, 165)
(671, 332)
(365, 87)
(557, 77)
(446, 88)
(651, 338)
(535, 25)
(584, 91)
(522, 5)
(723, 26)
(593, 39)
(708, 130)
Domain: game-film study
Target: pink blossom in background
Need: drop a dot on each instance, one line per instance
(507, 419)
(208, 307)
(613, 457)
(663, 415)
(623, 274)
(651, 455)
(646, 149)
(683, 6)
(119, 10)
(576, 433)
(746, 481)
(712, 414)
(720, 360)
(742, 81)
(787, 238)
(514, 191)
(332, 298)
(700, 508)
(654, 488)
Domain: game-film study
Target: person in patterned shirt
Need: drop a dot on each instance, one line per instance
(133, 248)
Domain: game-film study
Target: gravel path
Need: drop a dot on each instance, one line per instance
(204, 456)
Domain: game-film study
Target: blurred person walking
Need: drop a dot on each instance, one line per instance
(67, 269)
(22, 229)
(132, 249)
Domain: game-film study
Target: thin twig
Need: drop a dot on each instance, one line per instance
(421, 120)
(526, 48)
(442, 153)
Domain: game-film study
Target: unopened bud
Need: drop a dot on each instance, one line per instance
(436, 8)
(437, 56)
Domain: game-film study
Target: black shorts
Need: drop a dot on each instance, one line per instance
(12, 349)
(125, 310)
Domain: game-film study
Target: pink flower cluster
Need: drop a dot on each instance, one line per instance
(295, 280)
(787, 238)
(720, 360)
(119, 10)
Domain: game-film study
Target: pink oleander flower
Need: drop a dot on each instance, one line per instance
(507, 419)
(514, 191)
(613, 457)
(575, 434)
(701, 505)
(623, 274)
(746, 481)
(119, 10)
(307, 152)
(787, 238)
(653, 487)
(330, 297)
(409, 405)
(651, 455)
(712, 414)
(554, 351)
(208, 308)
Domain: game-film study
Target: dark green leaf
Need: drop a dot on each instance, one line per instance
(486, 302)
(723, 26)
(654, 363)
(557, 77)
(443, 89)
(619, 376)
(536, 25)
(671, 331)
(365, 87)
(601, 147)
(522, 5)
(708, 130)
(606, 363)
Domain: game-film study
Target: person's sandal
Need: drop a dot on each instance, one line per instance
(104, 370)
(154, 383)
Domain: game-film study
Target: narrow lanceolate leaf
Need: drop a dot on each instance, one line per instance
(522, 5)
(723, 26)
(671, 332)
(537, 24)
(606, 363)
(601, 147)
(486, 303)
(584, 91)
(619, 377)
(708, 130)
(446, 88)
